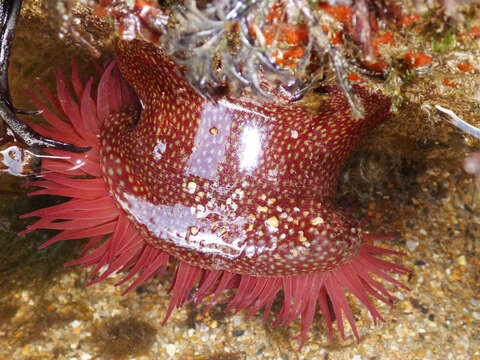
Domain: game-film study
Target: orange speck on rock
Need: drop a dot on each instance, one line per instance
(409, 20)
(354, 77)
(283, 61)
(383, 39)
(447, 82)
(341, 13)
(336, 38)
(376, 66)
(417, 59)
(475, 32)
(295, 52)
(465, 67)
(139, 4)
(292, 34)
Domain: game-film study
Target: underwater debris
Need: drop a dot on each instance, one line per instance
(455, 120)
(14, 128)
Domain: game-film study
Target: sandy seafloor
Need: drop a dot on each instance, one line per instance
(418, 192)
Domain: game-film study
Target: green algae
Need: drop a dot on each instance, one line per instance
(447, 41)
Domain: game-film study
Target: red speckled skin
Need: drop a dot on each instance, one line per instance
(235, 185)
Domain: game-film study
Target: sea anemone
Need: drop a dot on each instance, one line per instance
(146, 196)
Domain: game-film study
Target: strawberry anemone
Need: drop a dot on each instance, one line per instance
(118, 244)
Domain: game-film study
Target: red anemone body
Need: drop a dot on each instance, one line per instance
(240, 193)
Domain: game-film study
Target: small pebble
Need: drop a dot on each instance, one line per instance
(462, 260)
(411, 245)
(238, 332)
(171, 349)
(85, 356)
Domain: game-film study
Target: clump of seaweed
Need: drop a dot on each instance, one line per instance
(223, 43)
(269, 46)
(238, 42)
(123, 337)
(257, 44)
(234, 42)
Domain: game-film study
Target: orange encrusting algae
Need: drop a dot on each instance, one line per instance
(239, 195)
(385, 38)
(341, 13)
(417, 59)
(465, 67)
